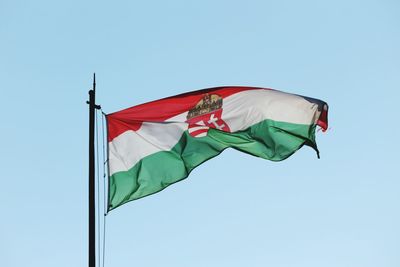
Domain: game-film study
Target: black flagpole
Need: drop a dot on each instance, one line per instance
(92, 199)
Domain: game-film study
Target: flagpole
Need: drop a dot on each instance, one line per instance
(92, 199)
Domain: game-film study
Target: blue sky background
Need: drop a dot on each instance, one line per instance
(235, 210)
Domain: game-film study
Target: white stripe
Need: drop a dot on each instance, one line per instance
(240, 111)
(130, 147)
(244, 109)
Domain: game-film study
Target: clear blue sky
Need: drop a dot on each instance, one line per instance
(235, 210)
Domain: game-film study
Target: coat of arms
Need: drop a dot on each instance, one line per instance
(206, 114)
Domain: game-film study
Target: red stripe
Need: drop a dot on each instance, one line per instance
(323, 119)
(160, 110)
(196, 127)
(194, 133)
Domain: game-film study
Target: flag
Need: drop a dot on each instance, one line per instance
(153, 145)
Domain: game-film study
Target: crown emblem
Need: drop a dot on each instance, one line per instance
(207, 104)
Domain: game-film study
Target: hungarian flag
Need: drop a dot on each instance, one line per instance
(153, 145)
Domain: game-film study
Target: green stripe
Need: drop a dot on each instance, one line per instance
(268, 139)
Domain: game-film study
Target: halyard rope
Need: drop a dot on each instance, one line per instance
(105, 160)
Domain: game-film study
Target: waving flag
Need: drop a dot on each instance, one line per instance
(156, 144)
